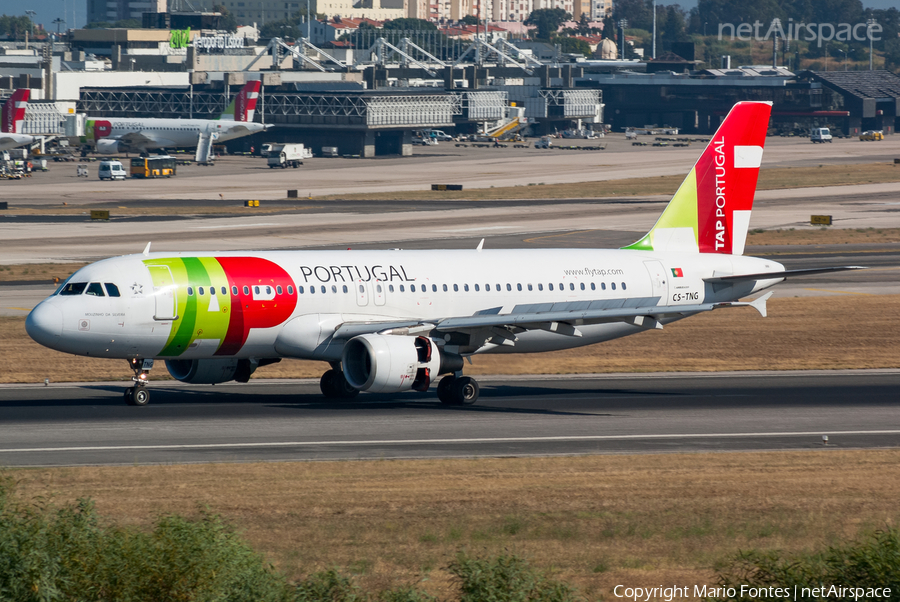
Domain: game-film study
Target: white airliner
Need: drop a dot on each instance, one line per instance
(119, 135)
(13, 114)
(391, 321)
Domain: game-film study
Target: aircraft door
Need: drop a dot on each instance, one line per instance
(164, 292)
(379, 292)
(362, 292)
(658, 280)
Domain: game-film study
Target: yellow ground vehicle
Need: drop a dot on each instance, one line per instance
(153, 167)
(870, 135)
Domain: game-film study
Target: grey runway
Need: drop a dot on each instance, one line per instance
(516, 416)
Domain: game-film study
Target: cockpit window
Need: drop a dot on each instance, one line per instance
(112, 290)
(73, 288)
(95, 289)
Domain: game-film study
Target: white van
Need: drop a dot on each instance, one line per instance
(820, 135)
(111, 170)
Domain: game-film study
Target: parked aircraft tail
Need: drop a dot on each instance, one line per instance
(710, 213)
(243, 107)
(14, 111)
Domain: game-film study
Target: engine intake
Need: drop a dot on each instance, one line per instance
(391, 363)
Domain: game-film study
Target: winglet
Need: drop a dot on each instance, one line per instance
(147, 250)
(480, 245)
(760, 304)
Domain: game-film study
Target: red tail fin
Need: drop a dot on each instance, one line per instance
(245, 103)
(14, 111)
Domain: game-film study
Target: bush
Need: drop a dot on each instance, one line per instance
(49, 554)
(506, 579)
(871, 563)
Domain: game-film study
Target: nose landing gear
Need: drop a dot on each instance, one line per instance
(138, 395)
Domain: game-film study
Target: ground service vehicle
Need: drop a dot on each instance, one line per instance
(287, 155)
(111, 170)
(820, 135)
(390, 321)
(162, 166)
(871, 135)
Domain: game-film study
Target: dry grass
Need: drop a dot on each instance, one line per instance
(823, 236)
(776, 178)
(38, 272)
(597, 521)
(800, 333)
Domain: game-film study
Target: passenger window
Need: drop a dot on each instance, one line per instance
(95, 289)
(603, 286)
(402, 290)
(540, 287)
(225, 290)
(312, 290)
(455, 288)
(582, 286)
(278, 289)
(593, 286)
(390, 288)
(466, 287)
(433, 288)
(362, 288)
(334, 288)
(508, 286)
(190, 291)
(291, 289)
(246, 290)
(299, 289)
(268, 290)
(347, 290)
(323, 289)
(550, 286)
(234, 290)
(255, 290)
(519, 287)
(562, 286)
(487, 287)
(476, 288)
(445, 288)
(112, 290)
(200, 290)
(529, 287)
(498, 289)
(613, 285)
(412, 288)
(623, 286)
(571, 286)
(212, 290)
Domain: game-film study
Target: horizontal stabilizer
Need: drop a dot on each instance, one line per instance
(783, 274)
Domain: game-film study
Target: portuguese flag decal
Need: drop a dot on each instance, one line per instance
(677, 273)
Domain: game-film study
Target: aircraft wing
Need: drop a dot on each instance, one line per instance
(8, 141)
(144, 141)
(562, 318)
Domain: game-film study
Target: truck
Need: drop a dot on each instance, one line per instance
(287, 155)
(820, 135)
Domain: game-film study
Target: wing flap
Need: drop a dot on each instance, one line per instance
(782, 274)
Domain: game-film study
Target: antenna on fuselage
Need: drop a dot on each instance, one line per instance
(147, 250)
(480, 245)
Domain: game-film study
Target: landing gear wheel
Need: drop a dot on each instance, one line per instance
(445, 389)
(335, 386)
(137, 396)
(465, 391)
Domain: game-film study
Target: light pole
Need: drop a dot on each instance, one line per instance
(844, 58)
(623, 23)
(654, 28)
(826, 57)
(869, 24)
(58, 22)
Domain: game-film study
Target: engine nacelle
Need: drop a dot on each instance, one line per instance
(390, 363)
(211, 372)
(109, 147)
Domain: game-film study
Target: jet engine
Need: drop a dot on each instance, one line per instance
(210, 372)
(392, 363)
(109, 147)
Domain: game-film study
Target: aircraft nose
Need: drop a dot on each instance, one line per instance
(44, 324)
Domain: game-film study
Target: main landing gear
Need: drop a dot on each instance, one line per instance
(458, 390)
(138, 395)
(335, 386)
